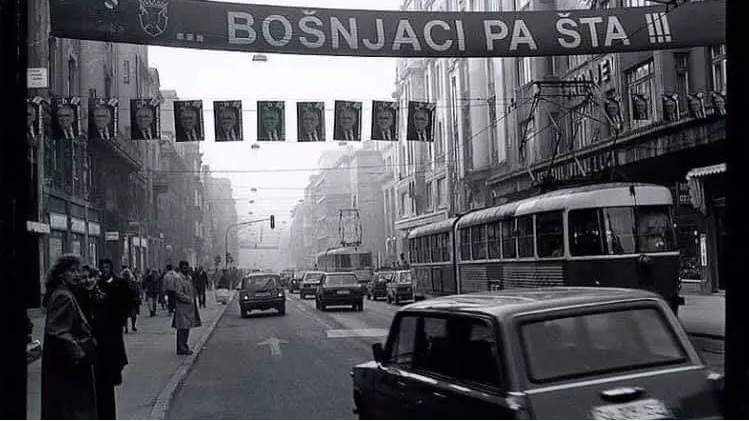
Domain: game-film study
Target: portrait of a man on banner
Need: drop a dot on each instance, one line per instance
(102, 118)
(188, 119)
(33, 121)
(420, 121)
(227, 120)
(310, 121)
(347, 121)
(67, 118)
(145, 119)
(385, 120)
(271, 125)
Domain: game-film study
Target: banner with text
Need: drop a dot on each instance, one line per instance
(275, 29)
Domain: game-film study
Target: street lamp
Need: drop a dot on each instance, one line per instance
(259, 58)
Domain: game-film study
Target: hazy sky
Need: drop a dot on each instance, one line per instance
(218, 75)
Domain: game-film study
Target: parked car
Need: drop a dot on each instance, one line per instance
(401, 287)
(261, 291)
(340, 288)
(570, 353)
(309, 283)
(377, 287)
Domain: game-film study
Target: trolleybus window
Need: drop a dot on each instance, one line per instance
(619, 226)
(654, 232)
(445, 244)
(493, 235)
(508, 239)
(434, 242)
(549, 234)
(525, 236)
(465, 244)
(478, 242)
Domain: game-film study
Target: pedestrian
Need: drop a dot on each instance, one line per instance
(136, 301)
(201, 284)
(186, 315)
(110, 315)
(160, 288)
(151, 288)
(68, 387)
(170, 280)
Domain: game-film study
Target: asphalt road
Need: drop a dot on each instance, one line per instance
(291, 367)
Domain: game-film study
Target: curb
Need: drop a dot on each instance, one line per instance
(161, 405)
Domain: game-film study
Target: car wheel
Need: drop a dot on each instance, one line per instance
(361, 305)
(282, 310)
(323, 307)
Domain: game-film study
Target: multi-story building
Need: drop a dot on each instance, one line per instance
(220, 213)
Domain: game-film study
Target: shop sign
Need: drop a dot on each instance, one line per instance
(37, 227)
(78, 225)
(703, 250)
(58, 221)
(347, 32)
(112, 236)
(94, 228)
(36, 77)
(601, 72)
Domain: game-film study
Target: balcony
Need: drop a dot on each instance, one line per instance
(124, 151)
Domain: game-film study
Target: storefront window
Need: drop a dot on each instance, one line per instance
(719, 67)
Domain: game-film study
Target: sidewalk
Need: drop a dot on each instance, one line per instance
(704, 314)
(151, 355)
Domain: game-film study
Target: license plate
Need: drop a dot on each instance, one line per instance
(343, 292)
(263, 294)
(646, 409)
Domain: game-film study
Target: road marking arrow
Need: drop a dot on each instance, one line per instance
(274, 344)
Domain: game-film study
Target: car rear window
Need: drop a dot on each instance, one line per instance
(259, 282)
(598, 343)
(340, 280)
(312, 277)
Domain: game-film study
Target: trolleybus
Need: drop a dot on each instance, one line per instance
(347, 259)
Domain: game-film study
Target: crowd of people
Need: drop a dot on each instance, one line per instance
(88, 311)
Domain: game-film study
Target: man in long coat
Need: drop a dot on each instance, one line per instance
(110, 316)
(186, 314)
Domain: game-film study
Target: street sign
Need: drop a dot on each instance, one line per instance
(277, 29)
(37, 227)
(112, 236)
(36, 77)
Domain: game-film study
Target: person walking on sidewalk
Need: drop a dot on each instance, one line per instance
(170, 282)
(110, 315)
(68, 388)
(135, 301)
(151, 287)
(186, 315)
(201, 284)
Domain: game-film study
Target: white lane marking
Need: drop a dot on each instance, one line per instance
(274, 344)
(357, 333)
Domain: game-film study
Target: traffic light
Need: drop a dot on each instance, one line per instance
(272, 222)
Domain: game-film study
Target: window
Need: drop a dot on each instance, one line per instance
(640, 90)
(126, 71)
(429, 198)
(445, 247)
(465, 244)
(654, 232)
(426, 256)
(527, 132)
(478, 242)
(550, 234)
(493, 238)
(403, 342)
(598, 343)
(478, 357)
(435, 247)
(585, 235)
(719, 68)
(508, 239)
(441, 198)
(681, 64)
(525, 71)
(432, 347)
(404, 201)
(525, 236)
(635, 3)
(72, 77)
(416, 250)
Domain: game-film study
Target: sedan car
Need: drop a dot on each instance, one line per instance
(308, 284)
(400, 288)
(261, 291)
(339, 289)
(377, 288)
(569, 353)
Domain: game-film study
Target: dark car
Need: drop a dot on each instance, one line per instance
(309, 283)
(569, 353)
(339, 289)
(261, 291)
(377, 288)
(286, 276)
(401, 287)
(296, 279)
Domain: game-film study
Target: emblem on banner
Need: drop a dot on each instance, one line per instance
(153, 16)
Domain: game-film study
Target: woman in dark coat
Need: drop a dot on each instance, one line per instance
(68, 390)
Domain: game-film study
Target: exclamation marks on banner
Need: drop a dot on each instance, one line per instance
(658, 28)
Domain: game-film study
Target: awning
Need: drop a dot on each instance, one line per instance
(704, 171)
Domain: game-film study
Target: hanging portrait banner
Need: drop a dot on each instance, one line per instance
(275, 29)
(227, 120)
(145, 119)
(385, 120)
(271, 125)
(66, 118)
(347, 121)
(34, 121)
(102, 118)
(420, 125)
(188, 121)
(310, 117)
